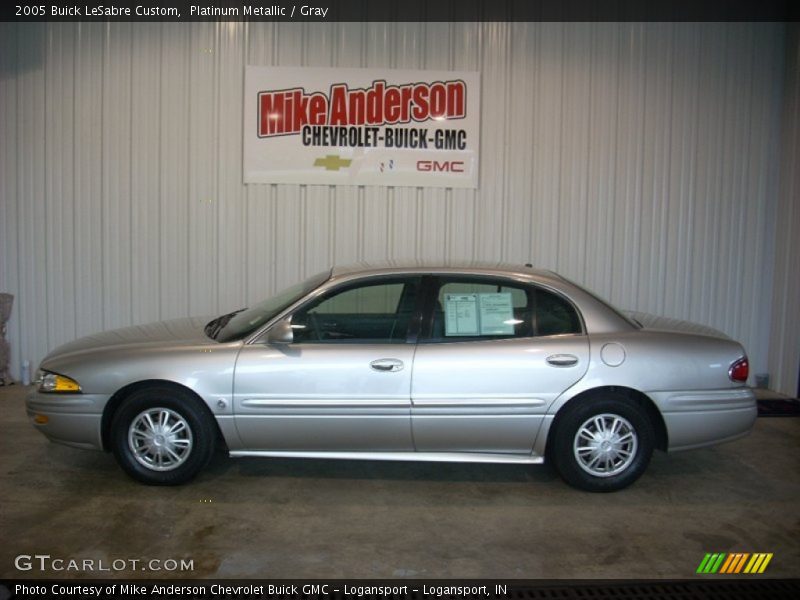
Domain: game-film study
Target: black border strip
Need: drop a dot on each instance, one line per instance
(406, 10)
(738, 588)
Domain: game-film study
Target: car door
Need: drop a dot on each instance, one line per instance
(343, 383)
(494, 355)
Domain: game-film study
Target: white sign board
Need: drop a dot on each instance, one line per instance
(478, 314)
(496, 314)
(461, 314)
(361, 127)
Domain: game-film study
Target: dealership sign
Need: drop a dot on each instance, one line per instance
(361, 127)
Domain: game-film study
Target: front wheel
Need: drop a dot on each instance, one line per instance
(161, 436)
(603, 444)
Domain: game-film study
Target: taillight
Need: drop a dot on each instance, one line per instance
(739, 370)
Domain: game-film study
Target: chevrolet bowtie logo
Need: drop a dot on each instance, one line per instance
(332, 162)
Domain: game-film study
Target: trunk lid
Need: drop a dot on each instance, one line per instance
(655, 323)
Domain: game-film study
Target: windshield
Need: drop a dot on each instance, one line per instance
(241, 323)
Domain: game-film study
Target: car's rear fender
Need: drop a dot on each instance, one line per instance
(662, 370)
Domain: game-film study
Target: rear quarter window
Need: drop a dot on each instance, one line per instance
(554, 315)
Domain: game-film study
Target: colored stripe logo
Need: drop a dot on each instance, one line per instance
(734, 562)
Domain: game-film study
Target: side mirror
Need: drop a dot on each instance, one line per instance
(281, 332)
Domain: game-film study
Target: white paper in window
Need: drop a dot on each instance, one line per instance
(496, 314)
(461, 314)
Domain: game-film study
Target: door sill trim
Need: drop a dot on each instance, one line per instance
(464, 457)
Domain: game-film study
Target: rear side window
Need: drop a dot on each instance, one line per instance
(485, 308)
(554, 315)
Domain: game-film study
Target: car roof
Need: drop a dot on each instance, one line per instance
(426, 266)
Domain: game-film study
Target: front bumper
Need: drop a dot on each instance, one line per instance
(706, 417)
(72, 419)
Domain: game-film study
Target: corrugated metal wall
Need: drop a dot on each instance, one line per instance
(639, 159)
(784, 346)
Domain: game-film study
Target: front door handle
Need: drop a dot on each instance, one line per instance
(562, 360)
(387, 364)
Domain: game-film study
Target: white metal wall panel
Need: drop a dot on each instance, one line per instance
(10, 66)
(784, 348)
(638, 158)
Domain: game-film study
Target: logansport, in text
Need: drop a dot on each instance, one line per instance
(178, 590)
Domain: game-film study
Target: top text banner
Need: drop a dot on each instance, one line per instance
(361, 127)
(398, 10)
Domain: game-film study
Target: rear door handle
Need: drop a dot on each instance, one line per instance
(387, 364)
(562, 360)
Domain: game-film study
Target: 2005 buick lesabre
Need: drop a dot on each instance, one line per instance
(473, 363)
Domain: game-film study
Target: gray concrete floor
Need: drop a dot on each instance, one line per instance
(301, 519)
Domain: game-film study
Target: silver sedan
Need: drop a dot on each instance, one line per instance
(473, 363)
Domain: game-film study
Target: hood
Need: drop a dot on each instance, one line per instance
(654, 322)
(175, 331)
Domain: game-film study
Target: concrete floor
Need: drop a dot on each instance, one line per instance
(301, 519)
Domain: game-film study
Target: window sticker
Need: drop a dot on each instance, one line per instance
(461, 314)
(478, 314)
(496, 314)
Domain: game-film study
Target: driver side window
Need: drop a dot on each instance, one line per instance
(378, 312)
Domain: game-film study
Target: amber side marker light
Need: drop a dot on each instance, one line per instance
(40, 419)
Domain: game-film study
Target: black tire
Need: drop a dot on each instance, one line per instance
(184, 414)
(621, 469)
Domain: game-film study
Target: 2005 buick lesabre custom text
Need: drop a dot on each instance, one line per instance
(473, 363)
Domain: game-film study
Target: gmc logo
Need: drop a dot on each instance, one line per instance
(447, 166)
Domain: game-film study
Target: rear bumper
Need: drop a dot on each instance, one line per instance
(706, 417)
(72, 419)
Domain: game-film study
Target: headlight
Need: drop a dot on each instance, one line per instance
(53, 382)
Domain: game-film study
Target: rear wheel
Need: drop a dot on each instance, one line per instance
(162, 436)
(602, 444)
